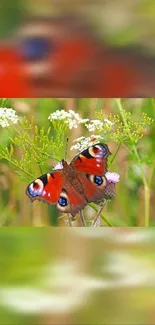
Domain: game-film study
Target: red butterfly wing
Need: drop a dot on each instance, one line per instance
(93, 186)
(92, 160)
(47, 187)
(70, 200)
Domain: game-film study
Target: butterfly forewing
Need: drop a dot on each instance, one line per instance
(47, 187)
(92, 160)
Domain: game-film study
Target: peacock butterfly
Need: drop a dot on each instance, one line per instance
(72, 186)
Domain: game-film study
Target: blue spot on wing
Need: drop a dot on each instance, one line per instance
(35, 48)
(63, 201)
(98, 180)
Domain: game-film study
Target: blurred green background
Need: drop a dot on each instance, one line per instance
(77, 276)
(119, 22)
(126, 209)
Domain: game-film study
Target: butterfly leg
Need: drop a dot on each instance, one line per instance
(96, 221)
(83, 221)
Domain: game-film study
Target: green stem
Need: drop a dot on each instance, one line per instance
(97, 218)
(153, 103)
(152, 175)
(4, 101)
(40, 169)
(29, 143)
(115, 154)
(83, 221)
(147, 205)
(101, 215)
(146, 187)
(16, 165)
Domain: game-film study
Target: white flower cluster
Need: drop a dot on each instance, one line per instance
(97, 125)
(83, 143)
(71, 118)
(7, 115)
(94, 125)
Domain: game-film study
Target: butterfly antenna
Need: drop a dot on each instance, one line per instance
(66, 148)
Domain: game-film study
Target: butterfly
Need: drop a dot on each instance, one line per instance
(72, 186)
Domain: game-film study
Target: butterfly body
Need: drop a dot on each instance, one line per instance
(74, 185)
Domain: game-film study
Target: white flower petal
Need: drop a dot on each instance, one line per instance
(7, 116)
(84, 143)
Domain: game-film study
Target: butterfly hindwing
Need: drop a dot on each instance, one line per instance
(92, 160)
(71, 201)
(93, 186)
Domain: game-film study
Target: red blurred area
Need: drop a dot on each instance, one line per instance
(74, 64)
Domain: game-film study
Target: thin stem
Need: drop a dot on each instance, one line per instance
(147, 205)
(66, 148)
(95, 222)
(115, 154)
(30, 144)
(23, 170)
(153, 103)
(41, 171)
(4, 101)
(101, 215)
(152, 175)
(82, 219)
(69, 221)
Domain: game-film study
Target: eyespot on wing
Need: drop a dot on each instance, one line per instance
(93, 160)
(46, 188)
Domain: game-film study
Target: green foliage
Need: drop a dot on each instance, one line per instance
(36, 146)
(118, 131)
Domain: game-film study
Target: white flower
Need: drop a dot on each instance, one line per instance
(74, 115)
(98, 125)
(58, 115)
(76, 147)
(83, 143)
(7, 115)
(108, 122)
(83, 121)
(70, 118)
(79, 139)
(94, 125)
(72, 124)
(73, 119)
